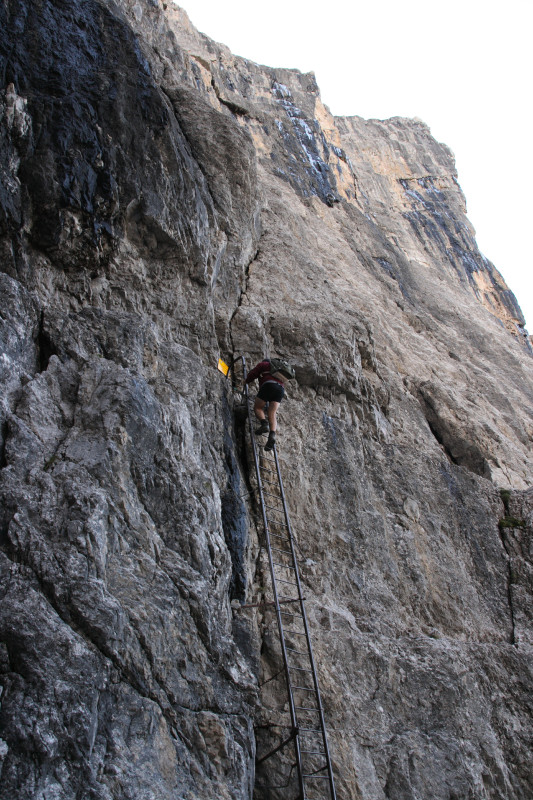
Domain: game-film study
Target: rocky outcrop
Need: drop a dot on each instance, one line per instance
(162, 203)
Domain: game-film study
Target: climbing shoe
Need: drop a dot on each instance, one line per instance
(263, 428)
(271, 441)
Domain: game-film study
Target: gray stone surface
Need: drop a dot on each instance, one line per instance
(163, 202)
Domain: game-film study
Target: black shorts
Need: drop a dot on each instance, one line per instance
(271, 391)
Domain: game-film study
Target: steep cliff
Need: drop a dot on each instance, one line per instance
(162, 203)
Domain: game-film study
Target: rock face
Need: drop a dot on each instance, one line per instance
(162, 203)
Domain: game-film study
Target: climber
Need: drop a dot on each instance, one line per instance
(272, 375)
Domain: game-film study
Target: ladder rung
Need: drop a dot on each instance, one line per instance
(278, 536)
(306, 708)
(285, 566)
(305, 689)
(313, 752)
(299, 652)
(302, 669)
(277, 496)
(282, 580)
(316, 777)
(311, 730)
(273, 508)
(277, 549)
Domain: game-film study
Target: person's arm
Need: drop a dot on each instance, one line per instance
(256, 371)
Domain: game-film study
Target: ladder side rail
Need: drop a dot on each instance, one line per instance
(294, 721)
(306, 629)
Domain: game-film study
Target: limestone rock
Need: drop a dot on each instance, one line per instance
(162, 203)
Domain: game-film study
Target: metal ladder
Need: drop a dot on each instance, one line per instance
(308, 730)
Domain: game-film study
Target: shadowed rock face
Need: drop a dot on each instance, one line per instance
(163, 202)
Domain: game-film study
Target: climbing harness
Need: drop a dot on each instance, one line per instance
(308, 730)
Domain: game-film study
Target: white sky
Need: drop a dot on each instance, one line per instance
(465, 67)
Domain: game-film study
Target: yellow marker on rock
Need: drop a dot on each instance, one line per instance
(223, 367)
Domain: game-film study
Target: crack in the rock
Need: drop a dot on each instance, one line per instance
(45, 346)
(510, 583)
(242, 295)
(3, 444)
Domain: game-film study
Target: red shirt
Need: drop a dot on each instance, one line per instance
(262, 371)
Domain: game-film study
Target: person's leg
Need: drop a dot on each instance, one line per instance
(259, 408)
(272, 410)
